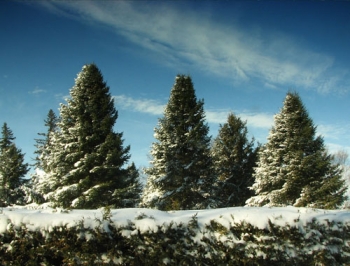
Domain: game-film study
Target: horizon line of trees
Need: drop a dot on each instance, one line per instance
(82, 163)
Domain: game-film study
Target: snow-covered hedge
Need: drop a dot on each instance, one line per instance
(232, 236)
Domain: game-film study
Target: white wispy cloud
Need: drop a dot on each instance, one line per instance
(223, 50)
(62, 97)
(336, 136)
(36, 91)
(256, 120)
(217, 116)
(334, 132)
(148, 106)
(333, 148)
(153, 107)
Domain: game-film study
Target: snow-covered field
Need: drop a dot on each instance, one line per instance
(151, 220)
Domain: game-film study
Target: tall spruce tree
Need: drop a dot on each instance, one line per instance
(12, 169)
(39, 185)
(234, 161)
(43, 144)
(294, 167)
(87, 161)
(180, 176)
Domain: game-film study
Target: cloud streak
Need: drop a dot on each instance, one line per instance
(256, 120)
(228, 51)
(153, 107)
(37, 91)
(147, 106)
(334, 132)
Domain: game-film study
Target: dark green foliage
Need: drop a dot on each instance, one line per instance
(128, 196)
(294, 167)
(12, 169)
(234, 161)
(241, 243)
(181, 173)
(87, 158)
(43, 145)
(39, 186)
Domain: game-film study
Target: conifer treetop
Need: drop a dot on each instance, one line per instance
(7, 137)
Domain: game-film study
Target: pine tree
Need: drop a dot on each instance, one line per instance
(341, 159)
(39, 186)
(12, 169)
(43, 144)
(234, 161)
(86, 165)
(294, 167)
(180, 176)
(129, 196)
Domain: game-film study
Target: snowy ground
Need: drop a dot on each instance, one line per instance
(150, 220)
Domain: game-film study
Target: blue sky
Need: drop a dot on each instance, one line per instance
(243, 57)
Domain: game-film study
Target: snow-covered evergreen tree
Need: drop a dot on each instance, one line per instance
(43, 144)
(86, 167)
(234, 159)
(12, 169)
(180, 175)
(40, 186)
(294, 167)
(129, 196)
(341, 159)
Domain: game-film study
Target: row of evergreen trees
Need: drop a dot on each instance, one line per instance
(82, 163)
